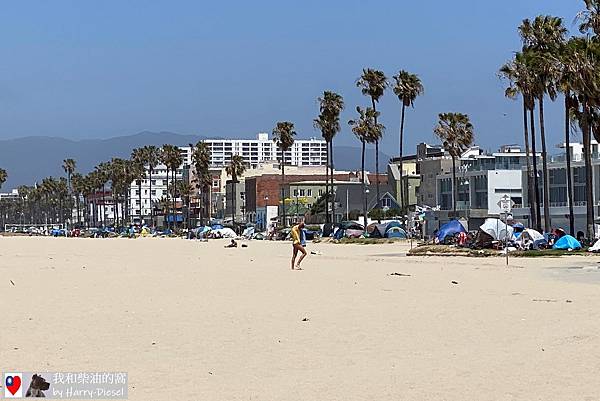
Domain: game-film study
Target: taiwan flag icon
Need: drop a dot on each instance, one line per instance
(13, 386)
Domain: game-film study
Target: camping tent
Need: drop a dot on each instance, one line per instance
(451, 228)
(595, 247)
(225, 232)
(567, 242)
(531, 238)
(349, 229)
(394, 230)
(497, 229)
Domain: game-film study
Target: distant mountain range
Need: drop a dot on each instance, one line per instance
(30, 159)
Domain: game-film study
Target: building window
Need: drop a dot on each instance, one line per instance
(153, 182)
(309, 192)
(154, 192)
(295, 192)
(320, 192)
(386, 202)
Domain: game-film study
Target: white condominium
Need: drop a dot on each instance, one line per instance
(304, 152)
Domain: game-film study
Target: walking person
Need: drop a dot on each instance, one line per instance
(297, 234)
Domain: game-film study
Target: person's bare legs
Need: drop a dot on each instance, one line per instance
(294, 254)
(298, 247)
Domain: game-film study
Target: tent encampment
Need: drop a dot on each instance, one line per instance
(531, 239)
(349, 229)
(595, 247)
(393, 229)
(567, 242)
(451, 228)
(497, 229)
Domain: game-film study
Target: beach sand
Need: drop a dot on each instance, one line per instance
(194, 321)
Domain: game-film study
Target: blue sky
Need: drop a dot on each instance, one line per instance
(89, 69)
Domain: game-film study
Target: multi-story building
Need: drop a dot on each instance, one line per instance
(304, 152)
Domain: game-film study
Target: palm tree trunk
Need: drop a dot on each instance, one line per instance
(362, 169)
(568, 172)
(538, 212)
(332, 186)
(376, 162)
(233, 200)
(327, 165)
(402, 200)
(530, 188)
(167, 202)
(454, 185)
(282, 187)
(546, 189)
(589, 187)
(150, 197)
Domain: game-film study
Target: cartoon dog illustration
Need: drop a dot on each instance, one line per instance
(37, 387)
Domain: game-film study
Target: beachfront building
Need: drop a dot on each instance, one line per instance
(304, 152)
(557, 182)
(410, 182)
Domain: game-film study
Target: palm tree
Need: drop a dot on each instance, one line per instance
(328, 122)
(373, 83)
(103, 176)
(408, 87)
(519, 75)
(203, 179)
(152, 157)
(367, 130)
(283, 136)
(235, 169)
(171, 158)
(567, 84)
(77, 187)
(69, 168)
(138, 157)
(456, 133)
(590, 17)
(542, 38)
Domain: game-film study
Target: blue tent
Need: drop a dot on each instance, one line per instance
(451, 228)
(567, 242)
(394, 230)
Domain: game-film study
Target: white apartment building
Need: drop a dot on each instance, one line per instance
(304, 152)
(256, 153)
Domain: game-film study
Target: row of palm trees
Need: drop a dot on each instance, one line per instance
(550, 63)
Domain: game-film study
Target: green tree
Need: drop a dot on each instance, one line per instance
(283, 136)
(202, 177)
(520, 78)
(235, 169)
(407, 87)
(542, 38)
(367, 130)
(331, 105)
(455, 131)
(373, 83)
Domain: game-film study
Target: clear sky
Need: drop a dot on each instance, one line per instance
(83, 69)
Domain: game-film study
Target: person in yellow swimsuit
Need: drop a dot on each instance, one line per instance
(297, 245)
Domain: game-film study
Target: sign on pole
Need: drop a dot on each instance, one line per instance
(506, 204)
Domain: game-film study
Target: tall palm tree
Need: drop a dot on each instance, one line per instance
(138, 157)
(283, 136)
(567, 84)
(328, 122)
(202, 176)
(152, 157)
(77, 187)
(407, 87)
(367, 130)
(103, 176)
(455, 131)
(69, 168)
(543, 38)
(170, 156)
(518, 73)
(373, 83)
(590, 17)
(235, 169)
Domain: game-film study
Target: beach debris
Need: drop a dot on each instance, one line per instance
(12, 282)
(16, 348)
(543, 350)
(399, 274)
(544, 300)
(153, 342)
(568, 301)
(516, 293)
(316, 253)
(210, 373)
(83, 267)
(454, 282)
(244, 245)
(305, 319)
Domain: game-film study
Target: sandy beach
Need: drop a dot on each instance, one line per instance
(191, 320)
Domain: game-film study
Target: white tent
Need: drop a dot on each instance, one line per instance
(225, 232)
(530, 238)
(497, 229)
(595, 247)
